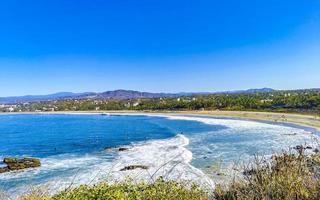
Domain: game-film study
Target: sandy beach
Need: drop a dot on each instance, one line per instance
(311, 121)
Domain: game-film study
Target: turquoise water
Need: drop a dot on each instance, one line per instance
(72, 147)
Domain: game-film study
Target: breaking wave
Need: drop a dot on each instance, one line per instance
(167, 158)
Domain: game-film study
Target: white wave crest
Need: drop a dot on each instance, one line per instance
(167, 158)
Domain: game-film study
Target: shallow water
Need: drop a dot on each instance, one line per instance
(72, 147)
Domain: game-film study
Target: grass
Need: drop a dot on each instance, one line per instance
(285, 177)
(159, 190)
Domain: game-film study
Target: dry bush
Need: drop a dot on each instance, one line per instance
(286, 177)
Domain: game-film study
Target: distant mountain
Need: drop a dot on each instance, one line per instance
(260, 90)
(116, 94)
(131, 94)
(32, 98)
(124, 94)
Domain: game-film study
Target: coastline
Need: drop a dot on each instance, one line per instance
(311, 121)
(203, 176)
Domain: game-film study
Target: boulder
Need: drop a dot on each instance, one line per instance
(132, 167)
(4, 169)
(14, 164)
(123, 149)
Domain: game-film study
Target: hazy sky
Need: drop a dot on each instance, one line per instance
(158, 45)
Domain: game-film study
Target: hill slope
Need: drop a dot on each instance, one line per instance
(115, 94)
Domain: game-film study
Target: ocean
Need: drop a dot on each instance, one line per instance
(83, 148)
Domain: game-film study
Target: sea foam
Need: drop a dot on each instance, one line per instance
(172, 158)
(168, 158)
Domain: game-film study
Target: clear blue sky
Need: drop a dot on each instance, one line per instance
(158, 45)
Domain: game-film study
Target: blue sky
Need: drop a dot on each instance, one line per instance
(158, 45)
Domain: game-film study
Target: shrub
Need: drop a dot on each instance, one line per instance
(285, 177)
(159, 190)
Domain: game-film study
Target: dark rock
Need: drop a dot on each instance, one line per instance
(301, 148)
(19, 163)
(4, 169)
(316, 150)
(132, 167)
(298, 147)
(291, 134)
(123, 149)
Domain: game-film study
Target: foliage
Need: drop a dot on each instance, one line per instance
(279, 101)
(286, 177)
(159, 190)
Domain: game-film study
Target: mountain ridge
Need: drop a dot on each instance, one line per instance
(114, 94)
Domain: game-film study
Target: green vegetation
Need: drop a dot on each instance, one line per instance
(285, 177)
(159, 190)
(307, 101)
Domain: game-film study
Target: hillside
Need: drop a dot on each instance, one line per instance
(115, 94)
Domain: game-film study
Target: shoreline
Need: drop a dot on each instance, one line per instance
(206, 177)
(311, 121)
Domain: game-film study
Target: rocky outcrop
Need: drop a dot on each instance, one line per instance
(111, 149)
(132, 167)
(14, 164)
(4, 169)
(123, 149)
